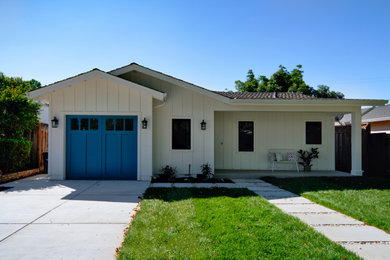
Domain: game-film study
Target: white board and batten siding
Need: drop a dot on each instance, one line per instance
(181, 103)
(273, 131)
(275, 128)
(97, 96)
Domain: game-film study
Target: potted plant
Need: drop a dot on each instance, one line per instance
(307, 157)
(207, 172)
(167, 173)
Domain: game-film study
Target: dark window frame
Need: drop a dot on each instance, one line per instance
(185, 142)
(313, 132)
(246, 141)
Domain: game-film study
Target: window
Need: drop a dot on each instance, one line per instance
(129, 124)
(119, 125)
(94, 123)
(74, 124)
(109, 124)
(84, 124)
(245, 136)
(313, 133)
(181, 134)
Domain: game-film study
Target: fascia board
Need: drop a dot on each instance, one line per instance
(170, 79)
(96, 73)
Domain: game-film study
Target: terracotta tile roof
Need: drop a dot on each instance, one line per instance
(264, 95)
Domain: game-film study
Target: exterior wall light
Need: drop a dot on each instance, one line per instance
(54, 122)
(203, 125)
(144, 123)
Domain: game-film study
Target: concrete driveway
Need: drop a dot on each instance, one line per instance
(43, 219)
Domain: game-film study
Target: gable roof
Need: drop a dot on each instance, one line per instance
(246, 98)
(233, 98)
(380, 113)
(91, 74)
(159, 75)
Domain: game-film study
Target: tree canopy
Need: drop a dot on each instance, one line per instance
(18, 113)
(284, 81)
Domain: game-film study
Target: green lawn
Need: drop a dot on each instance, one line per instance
(364, 198)
(190, 223)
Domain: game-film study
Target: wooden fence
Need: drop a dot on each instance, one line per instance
(375, 151)
(39, 139)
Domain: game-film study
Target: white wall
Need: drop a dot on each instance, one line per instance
(98, 96)
(180, 103)
(272, 131)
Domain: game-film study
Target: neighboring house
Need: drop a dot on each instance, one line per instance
(131, 121)
(378, 118)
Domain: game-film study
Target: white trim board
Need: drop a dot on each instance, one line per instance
(96, 73)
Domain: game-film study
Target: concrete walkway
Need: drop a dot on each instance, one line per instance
(42, 219)
(367, 241)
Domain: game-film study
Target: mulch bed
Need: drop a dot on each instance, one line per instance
(191, 180)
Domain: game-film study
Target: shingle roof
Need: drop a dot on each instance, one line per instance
(380, 112)
(264, 95)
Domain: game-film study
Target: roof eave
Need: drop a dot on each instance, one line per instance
(170, 79)
(91, 74)
(323, 102)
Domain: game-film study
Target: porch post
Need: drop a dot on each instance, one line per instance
(356, 143)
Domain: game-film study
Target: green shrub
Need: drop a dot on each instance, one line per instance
(14, 154)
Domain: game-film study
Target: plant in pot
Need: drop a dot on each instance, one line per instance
(207, 172)
(167, 173)
(307, 157)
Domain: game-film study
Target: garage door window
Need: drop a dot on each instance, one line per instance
(128, 124)
(74, 124)
(94, 124)
(109, 124)
(119, 124)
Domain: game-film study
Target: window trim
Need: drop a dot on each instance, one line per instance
(304, 131)
(171, 134)
(238, 136)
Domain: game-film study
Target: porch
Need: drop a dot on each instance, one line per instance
(254, 174)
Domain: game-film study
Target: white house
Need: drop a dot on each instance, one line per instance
(131, 121)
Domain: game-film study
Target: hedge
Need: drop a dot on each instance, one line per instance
(14, 154)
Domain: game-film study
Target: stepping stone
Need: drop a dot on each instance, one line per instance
(327, 219)
(183, 185)
(204, 185)
(353, 233)
(294, 200)
(247, 184)
(248, 181)
(265, 188)
(304, 208)
(161, 185)
(276, 194)
(370, 251)
(227, 185)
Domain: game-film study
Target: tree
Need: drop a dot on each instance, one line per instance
(250, 85)
(324, 92)
(18, 115)
(284, 81)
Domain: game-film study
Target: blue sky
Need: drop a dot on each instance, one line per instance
(342, 44)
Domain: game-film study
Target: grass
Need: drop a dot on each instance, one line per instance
(363, 198)
(189, 223)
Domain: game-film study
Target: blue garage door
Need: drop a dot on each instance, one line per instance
(101, 147)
